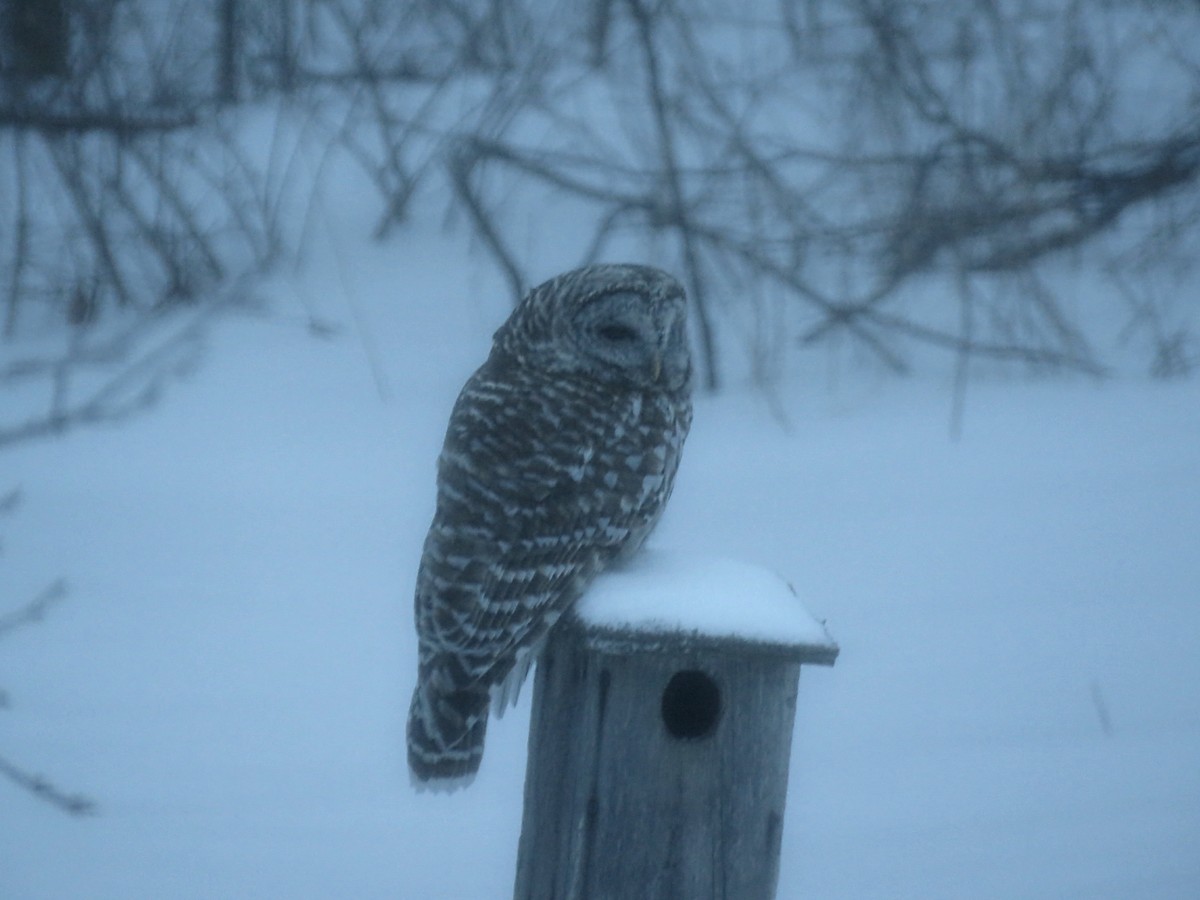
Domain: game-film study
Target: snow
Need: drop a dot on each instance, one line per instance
(675, 591)
(229, 674)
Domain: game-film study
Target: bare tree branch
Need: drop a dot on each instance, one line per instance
(44, 789)
(34, 611)
(679, 212)
(460, 166)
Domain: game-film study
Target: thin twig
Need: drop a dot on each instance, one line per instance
(20, 235)
(10, 501)
(1102, 713)
(460, 166)
(43, 789)
(137, 384)
(34, 611)
(962, 359)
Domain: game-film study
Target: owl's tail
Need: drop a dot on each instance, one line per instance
(446, 728)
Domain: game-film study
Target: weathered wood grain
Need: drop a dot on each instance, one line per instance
(617, 806)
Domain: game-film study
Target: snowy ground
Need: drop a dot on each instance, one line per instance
(230, 674)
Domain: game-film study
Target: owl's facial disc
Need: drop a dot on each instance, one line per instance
(618, 331)
(676, 359)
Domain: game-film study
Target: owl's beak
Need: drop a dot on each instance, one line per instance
(657, 367)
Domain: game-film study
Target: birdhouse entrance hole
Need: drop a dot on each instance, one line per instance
(691, 705)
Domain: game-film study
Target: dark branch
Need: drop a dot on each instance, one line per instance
(34, 611)
(117, 123)
(43, 789)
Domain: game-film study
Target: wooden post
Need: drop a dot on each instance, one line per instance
(659, 749)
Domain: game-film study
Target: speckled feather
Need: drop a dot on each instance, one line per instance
(552, 467)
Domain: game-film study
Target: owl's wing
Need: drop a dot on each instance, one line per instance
(526, 517)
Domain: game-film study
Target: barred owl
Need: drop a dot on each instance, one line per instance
(559, 457)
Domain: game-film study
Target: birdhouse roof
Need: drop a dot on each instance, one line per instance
(666, 599)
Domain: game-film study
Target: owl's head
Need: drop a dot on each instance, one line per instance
(623, 324)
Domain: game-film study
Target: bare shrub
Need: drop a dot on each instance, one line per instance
(843, 163)
(888, 176)
(126, 199)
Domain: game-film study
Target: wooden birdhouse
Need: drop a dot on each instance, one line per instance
(661, 734)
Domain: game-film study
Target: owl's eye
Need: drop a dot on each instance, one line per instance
(617, 333)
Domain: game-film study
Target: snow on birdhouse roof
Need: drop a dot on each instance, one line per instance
(662, 596)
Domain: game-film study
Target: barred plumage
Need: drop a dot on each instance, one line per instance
(560, 454)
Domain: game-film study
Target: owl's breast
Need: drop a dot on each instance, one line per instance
(640, 453)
